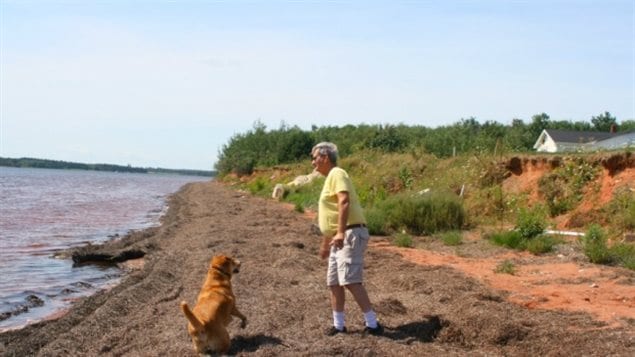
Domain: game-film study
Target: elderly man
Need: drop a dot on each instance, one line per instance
(345, 239)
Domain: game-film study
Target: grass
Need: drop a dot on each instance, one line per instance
(402, 240)
(624, 255)
(563, 187)
(509, 239)
(596, 248)
(417, 214)
(540, 244)
(305, 196)
(506, 267)
(416, 192)
(299, 207)
(594, 245)
(452, 238)
(543, 243)
(528, 233)
(531, 222)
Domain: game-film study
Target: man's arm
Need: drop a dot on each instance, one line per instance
(343, 203)
(325, 247)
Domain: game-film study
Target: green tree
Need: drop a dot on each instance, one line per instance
(387, 138)
(627, 125)
(539, 122)
(519, 137)
(603, 122)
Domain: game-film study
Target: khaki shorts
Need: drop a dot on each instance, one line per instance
(346, 265)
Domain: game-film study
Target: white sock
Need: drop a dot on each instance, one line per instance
(371, 319)
(338, 319)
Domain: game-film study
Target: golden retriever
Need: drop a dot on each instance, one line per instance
(214, 308)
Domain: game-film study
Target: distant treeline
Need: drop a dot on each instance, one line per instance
(54, 164)
(262, 147)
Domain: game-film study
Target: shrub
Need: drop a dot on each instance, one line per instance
(405, 175)
(621, 209)
(594, 245)
(543, 243)
(624, 254)
(304, 196)
(510, 239)
(530, 223)
(506, 267)
(452, 238)
(244, 166)
(257, 186)
(369, 194)
(376, 222)
(299, 207)
(422, 214)
(402, 240)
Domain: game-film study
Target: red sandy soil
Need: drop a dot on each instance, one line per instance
(555, 282)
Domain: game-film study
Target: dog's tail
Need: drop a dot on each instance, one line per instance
(191, 317)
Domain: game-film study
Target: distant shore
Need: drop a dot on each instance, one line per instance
(26, 162)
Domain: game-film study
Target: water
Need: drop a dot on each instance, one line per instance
(43, 211)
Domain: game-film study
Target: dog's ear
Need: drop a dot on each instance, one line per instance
(217, 261)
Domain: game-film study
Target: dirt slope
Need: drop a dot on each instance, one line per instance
(427, 309)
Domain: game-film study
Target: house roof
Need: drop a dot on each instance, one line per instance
(578, 137)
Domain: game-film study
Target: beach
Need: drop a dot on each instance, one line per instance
(426, 309)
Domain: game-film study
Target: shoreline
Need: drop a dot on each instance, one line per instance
(49, 214)
(426, 309)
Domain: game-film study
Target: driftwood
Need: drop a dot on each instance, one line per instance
(132, 246)
(88, 255)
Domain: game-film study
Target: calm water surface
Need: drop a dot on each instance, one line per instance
(43, 211)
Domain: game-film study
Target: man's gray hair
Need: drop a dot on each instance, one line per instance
(328, 149)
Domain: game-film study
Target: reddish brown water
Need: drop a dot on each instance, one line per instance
(45, 211)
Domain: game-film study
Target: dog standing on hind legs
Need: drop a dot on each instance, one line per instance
(214, 308)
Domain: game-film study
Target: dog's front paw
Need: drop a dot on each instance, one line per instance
(243, 323)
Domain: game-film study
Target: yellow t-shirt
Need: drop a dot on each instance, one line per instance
(337, 181)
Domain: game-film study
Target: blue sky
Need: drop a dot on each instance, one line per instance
(167, 83)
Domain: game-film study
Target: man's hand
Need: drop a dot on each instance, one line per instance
(337, 241)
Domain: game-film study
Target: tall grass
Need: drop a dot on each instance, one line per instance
(452, 238)
(531, 222)
(305, 196)
(543, 243)
(403, 240)
(595, 246)
(509, 239)
(624, 255)
(417, 214)
(506, 267)
(528, 233)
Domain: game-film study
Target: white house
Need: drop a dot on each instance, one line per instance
(553, 140)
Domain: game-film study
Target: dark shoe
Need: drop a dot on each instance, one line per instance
(377, 331)
(332, 331)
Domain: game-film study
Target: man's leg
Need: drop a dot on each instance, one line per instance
(361, 297)
(338, 296)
